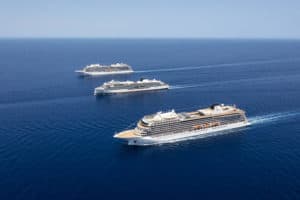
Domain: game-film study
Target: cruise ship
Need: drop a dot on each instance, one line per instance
(116, 87)
(171, 126)
(97, 69)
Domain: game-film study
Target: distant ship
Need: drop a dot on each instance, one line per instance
(115, 87)
(171, 126)
(97, 69)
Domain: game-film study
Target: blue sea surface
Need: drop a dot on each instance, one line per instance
(56, 137)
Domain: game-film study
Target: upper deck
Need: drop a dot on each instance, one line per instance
(214, 110)
(112, 67)
(141, 82)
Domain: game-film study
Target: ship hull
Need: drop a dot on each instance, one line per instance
(170, 138)
(102, 91)
(84, 73)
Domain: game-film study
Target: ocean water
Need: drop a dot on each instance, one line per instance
(56, 137)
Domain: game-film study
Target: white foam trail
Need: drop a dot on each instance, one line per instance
(185, 86)
(273, 117)
(217, 83)
(218, 65)
(174, 87)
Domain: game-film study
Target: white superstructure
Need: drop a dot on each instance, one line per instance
(98, 69)
(115, 87)
(171, 126)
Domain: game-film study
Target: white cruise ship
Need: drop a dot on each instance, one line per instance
(97, 69)
(116, 87)
(171, 126)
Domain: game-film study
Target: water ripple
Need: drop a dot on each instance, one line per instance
(217, 83)
(273, 117)
(219, 65)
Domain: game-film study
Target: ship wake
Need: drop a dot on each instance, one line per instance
(246, 80)
(273, 117)
(174, 87)
(218, 65)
